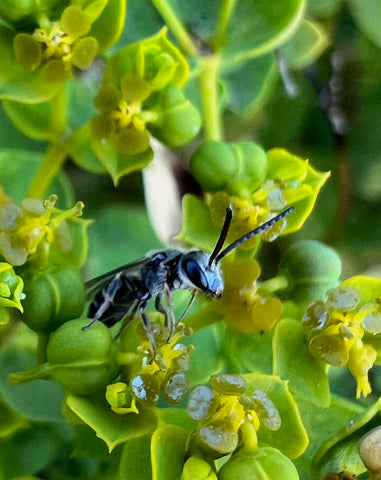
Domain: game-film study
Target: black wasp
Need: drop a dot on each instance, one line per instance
(126, 291)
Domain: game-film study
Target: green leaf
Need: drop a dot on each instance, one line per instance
(119, 164)
(367, 14)
(38, 401)
(248, 352)
(259, 26)
(112, 428)
(206, 359)
(82, 152)
(291, 426)
(304, 184)
(249, 85)
(132, 224)
(175, 416)
(135, 461)
(168, 448)
(293, 362)
(16, 83)
(197, 229)
(10, 421)
(17, 170)
(41, 121)
(305, 46)
(29, 452)
(108, 27)
(323, 8)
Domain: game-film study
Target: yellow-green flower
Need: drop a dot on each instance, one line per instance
(221, 413)
(32, 226)
(340, 331)
(58, 46)
(241, 305)
(122, 117)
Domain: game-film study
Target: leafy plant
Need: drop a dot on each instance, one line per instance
(260, 102)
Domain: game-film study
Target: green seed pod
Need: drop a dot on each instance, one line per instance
(82, 361)
(238, 168)
(53, 297)
(311, 268)
(266, 463)
(178, 120)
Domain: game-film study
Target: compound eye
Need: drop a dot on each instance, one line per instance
(196, 275)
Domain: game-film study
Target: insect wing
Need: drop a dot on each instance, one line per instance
(96, 284)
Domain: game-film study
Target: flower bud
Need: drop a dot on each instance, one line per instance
(178, 120)
(53, 297)
(265, 463)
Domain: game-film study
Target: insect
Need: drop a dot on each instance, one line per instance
(126, 291)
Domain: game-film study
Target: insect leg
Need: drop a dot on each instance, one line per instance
(148, 328)
(128, 319)
(170, 320)
(190, 303)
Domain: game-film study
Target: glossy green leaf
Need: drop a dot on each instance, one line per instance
(135, 461)
(29, 452)
(112, 428)
(119, 164)
(249, 85)
(79, 92)
(82, 152)
(131, 238)
(197, 229)
(248, 352)
(367, 14)
(291, 426)
(16, 185)
(304, 184)
(38, 401)
(323, 8)
(108, 27)
(175, 416)
(305, 46)
(293, 361)
(168, 447)
(10, 421)
(258, 27)
(41, 121)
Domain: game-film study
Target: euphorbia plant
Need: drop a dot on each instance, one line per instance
(247, 385)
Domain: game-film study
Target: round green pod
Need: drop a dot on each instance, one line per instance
(82, 361)
(178, 121)
(52, 297)
(237, 168)
(311, 268)
(266, 463)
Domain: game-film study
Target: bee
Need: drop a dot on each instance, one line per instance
(124, 293)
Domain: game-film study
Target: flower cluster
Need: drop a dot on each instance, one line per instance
(58, 46)
(33, 227)
(142, 92)
(147, 374)
(242, 306)
(223, 410)
(340, 331)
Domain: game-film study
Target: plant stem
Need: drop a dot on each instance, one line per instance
(49, 168)
(41, 347)
(209, 77)
(175, 25)
(226, 12)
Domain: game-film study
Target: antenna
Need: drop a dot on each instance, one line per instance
(222, 237)
(257, 231)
